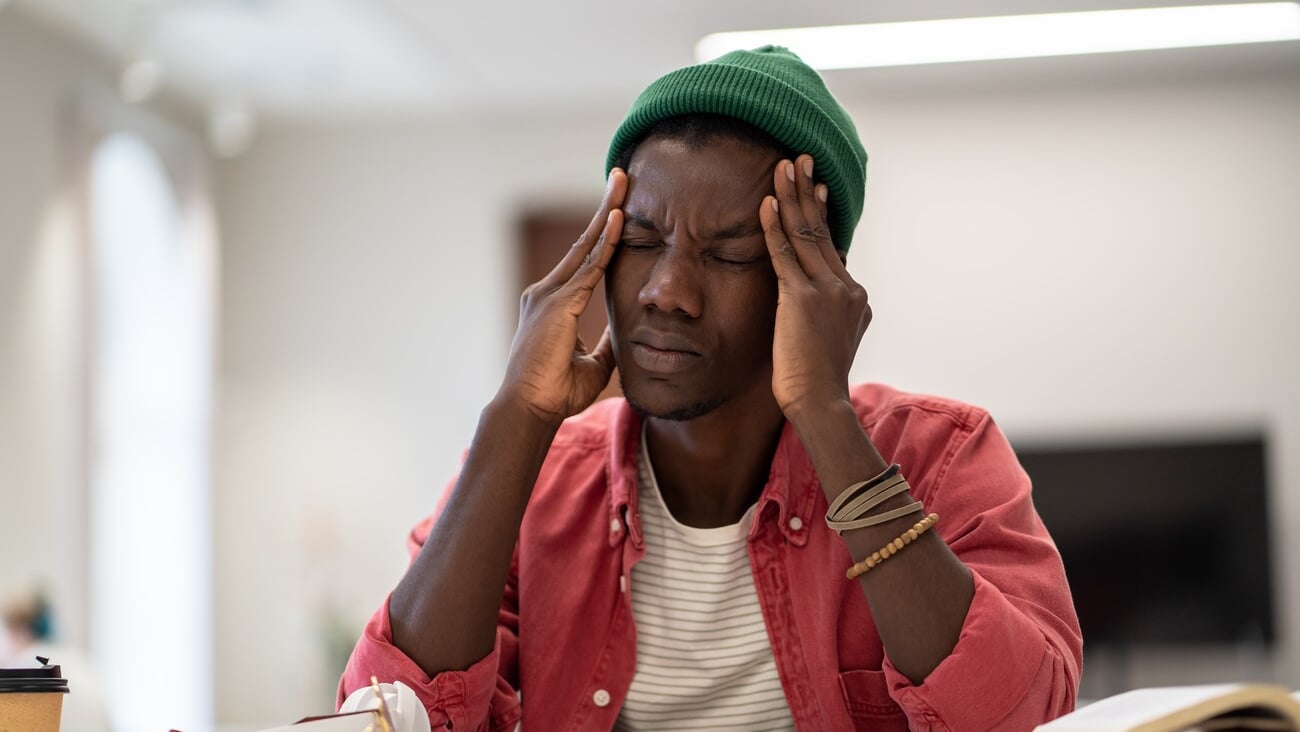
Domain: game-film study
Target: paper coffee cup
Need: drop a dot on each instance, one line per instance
(31, 699)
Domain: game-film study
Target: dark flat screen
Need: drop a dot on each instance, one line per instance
(1163, 543)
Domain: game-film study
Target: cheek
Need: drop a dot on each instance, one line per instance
(762, 296)
(621, 285)
(752, 315)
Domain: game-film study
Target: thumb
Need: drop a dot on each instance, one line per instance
(604, 352)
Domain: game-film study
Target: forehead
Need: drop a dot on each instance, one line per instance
(720, 174)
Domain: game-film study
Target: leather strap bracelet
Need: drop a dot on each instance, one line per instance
(872, 498)
(850, 493)
(880, 518)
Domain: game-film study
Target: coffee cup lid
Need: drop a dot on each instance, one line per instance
(47, 678)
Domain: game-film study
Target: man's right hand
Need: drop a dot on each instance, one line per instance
(551, 372)
(444, 611)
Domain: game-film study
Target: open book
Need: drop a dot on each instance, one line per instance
(1187, 709)
(368, 721)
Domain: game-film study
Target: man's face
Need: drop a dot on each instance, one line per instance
(691, 294)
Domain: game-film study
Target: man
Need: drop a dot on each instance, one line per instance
(663, 562)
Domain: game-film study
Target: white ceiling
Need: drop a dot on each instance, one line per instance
(364, 57)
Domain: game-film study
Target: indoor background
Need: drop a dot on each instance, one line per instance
(294, 228)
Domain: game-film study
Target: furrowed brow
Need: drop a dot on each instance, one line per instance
(743, 230)
(640, 221)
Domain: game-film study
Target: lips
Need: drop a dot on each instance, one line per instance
(663, 353)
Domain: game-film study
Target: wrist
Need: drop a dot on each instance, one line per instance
(812, 411)
(505, 408)
(840, 449)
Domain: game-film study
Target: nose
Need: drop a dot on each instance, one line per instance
(673, 284)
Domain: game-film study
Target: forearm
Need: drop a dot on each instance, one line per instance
(444, 611)
(918, 597)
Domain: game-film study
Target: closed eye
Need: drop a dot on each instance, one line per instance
(638, 245)
(739, 259)
(733, 260)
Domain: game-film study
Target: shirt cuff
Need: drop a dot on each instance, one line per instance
(460, 699)
(995, 637)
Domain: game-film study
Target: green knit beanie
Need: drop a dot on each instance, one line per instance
(774, 90)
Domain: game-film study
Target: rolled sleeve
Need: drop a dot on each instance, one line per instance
(480, 697)
(1016, 661)
(999, 643)
(476, 698)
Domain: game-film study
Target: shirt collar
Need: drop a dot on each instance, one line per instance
(789, 498)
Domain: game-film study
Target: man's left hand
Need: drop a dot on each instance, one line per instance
(822, 312)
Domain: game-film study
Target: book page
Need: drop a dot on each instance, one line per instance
(355, 722)
(1135, 707)
(1183, 707)
(1132, 708)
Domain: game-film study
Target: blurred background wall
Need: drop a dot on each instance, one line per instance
(40, 341)
(1090, 247)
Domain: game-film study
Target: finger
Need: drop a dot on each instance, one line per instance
(806, 185)
(865, 321)
(784, 259)
(615, 190)
(815, 209)
(592, 370)
(796, 225)
(593, 266)
(832, 255)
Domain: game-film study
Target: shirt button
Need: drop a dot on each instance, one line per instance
(613, 526)
(796, 523)
(600, 698)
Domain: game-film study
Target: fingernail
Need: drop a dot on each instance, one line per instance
(821, 193)
(789, 172)
(775, 207)
(807, 167)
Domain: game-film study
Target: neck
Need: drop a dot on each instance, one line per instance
(711, 469)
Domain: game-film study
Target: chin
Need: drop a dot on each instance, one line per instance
(675, 408)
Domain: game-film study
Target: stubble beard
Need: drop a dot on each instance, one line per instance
(681, 414)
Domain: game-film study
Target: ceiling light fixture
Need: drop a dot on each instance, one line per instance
(1020, 36)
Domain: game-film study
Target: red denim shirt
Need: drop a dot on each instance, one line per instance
(566, 639)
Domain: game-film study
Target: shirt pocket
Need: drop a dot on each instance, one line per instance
(866, 695)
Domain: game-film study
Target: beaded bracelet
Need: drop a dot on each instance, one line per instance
(893, 547)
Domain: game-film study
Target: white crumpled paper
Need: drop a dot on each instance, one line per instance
(408, 714)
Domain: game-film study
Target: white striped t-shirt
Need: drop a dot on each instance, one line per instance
(703, 659)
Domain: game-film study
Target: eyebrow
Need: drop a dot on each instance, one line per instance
(738, 231)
